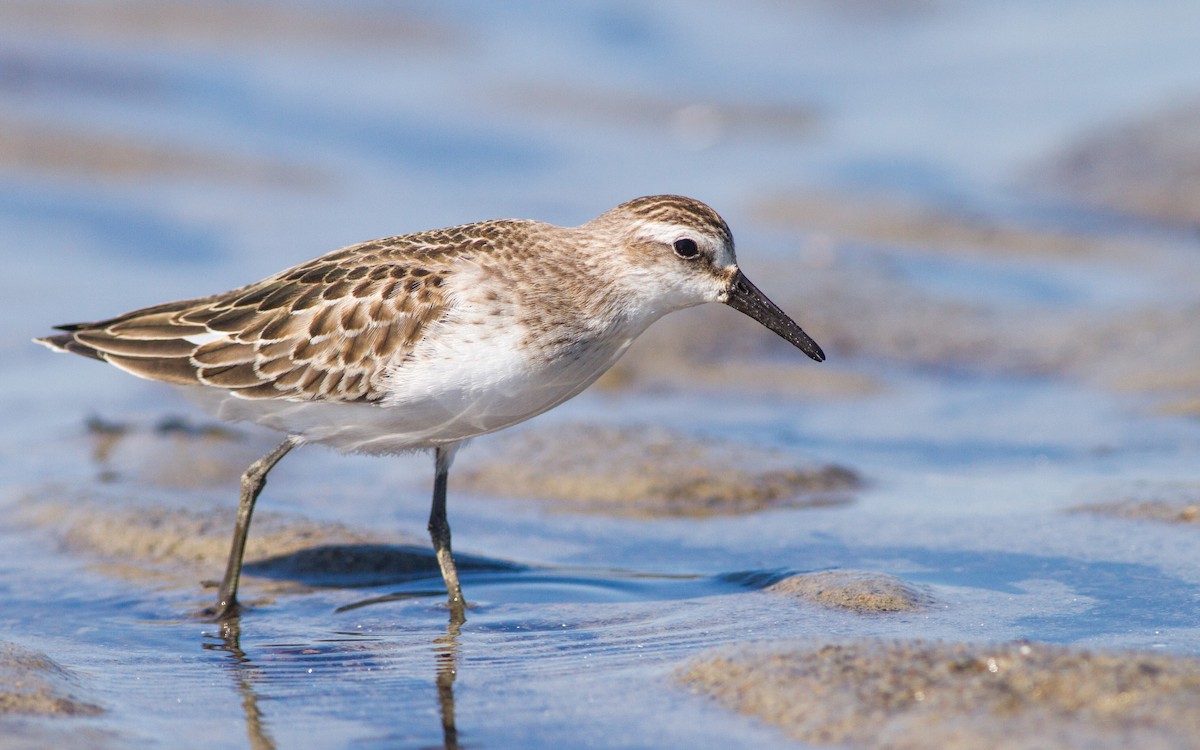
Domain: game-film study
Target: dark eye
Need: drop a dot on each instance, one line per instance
(686, 248)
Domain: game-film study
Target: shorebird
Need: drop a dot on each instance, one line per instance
(423, 341)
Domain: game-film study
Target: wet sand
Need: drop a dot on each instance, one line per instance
(902, 694)
(32, 684)
(855, 590)
(644, 471)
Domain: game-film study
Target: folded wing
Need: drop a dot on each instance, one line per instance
(324, 330)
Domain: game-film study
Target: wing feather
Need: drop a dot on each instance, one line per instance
(223, 352)
(230, 376)
(328, 329)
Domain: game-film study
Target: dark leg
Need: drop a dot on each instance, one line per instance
(253, 482)
(439, 531)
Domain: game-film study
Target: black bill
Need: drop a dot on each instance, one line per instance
(746, 298)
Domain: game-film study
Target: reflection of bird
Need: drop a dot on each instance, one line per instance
(426, 340)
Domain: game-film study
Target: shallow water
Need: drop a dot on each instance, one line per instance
(171, 154)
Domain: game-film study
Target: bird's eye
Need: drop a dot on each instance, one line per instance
(686, 248)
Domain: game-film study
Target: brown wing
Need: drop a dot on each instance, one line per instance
(324, 330)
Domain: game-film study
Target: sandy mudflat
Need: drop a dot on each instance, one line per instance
(916, 694)
(142, 532)
(33, 684)
(854, 590)
(86, 153)
(890, 220)
(186, 549)
(43, 705)
(1168, 508)
(1147, 165)
(647, 471)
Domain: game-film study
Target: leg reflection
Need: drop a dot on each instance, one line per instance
(445, 651)
(244, 674)
(247, 675)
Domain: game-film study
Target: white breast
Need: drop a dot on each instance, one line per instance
(478, 372)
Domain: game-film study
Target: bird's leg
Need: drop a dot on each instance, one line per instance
(253, 482)
(439, 531)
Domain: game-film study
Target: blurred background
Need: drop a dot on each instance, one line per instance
(986, 212)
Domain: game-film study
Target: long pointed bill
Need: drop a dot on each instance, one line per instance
(746, 298)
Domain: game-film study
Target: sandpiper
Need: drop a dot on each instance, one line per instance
(425, 340)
